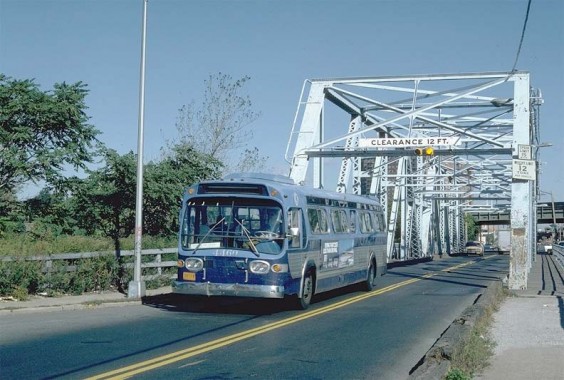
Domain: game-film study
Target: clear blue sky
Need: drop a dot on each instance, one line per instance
(279, 44)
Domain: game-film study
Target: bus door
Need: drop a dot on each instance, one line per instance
(296, 232)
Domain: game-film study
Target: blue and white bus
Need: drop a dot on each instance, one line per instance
(260, 235)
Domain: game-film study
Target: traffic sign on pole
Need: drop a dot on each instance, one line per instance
(525, 169)
(524, 152)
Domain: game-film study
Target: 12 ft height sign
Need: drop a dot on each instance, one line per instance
(407, 142)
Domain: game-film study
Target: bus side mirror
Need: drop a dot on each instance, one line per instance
(294, 232)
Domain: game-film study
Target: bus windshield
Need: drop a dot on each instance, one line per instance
(253, 224)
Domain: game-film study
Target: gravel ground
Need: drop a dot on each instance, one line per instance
(537, 319)
(529, 333)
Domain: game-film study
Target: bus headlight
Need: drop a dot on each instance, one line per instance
(259, 267)
(194, 264)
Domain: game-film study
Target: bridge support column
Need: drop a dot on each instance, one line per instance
(521, 199)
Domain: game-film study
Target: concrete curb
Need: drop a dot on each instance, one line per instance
(86, 301)
(61, 307)
(437, 361)
(76, 306)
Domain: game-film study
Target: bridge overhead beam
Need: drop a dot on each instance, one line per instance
(545, 215)
(341, 152)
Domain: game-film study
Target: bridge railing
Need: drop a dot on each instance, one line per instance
(558, 252)
(151, 258)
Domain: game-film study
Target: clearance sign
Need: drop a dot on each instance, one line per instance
(407, 142)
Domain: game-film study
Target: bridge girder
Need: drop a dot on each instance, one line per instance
(487, 115)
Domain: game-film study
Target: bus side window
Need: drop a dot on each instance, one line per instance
(313, 218)
(352, 216)
(375, 222)
(336, 220)
(323, 221)
(365, 223)
(382, 221)
(295, 228)
(340, 223)
(318, 222)
(345, 221)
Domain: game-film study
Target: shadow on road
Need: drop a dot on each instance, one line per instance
(237, 305)
(217, 305)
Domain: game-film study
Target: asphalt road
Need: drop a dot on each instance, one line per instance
(347, 334)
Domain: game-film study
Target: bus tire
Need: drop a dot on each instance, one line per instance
(370, 282)
(304, 299)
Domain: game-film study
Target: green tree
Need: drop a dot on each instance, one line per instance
(50, 213)
(472, 228)
(165, 182)
(104, 202)
(250, 160)
(220, 125)
(41, 132)
(11, 218)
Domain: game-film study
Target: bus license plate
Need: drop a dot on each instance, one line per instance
(189, 276)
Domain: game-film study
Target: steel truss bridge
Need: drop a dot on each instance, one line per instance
(478, 126)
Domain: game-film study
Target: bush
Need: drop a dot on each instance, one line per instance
(20, 278)
(8, 226)
(149, 242)
(27, 244)
(457, 374)
(22, 245)
(95, 275)
(82, 276)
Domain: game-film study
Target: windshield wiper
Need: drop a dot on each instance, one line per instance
(246, 233)
(267, 235)
(207, 234)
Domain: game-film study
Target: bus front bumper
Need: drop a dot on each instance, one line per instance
(238, 290)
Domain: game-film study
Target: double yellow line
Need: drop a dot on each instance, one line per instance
(160, 361)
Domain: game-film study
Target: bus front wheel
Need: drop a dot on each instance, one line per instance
(370, 282)
(307, 292)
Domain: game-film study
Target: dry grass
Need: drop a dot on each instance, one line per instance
(474, 354)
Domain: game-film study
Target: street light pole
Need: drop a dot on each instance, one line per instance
(555, 226)
(553, 216)
(136, 287)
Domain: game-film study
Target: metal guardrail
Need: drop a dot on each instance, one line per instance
(157, 262)
(558, 253)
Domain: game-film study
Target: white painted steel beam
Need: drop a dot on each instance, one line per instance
(488, 113)
(308, 133)
(521, 199)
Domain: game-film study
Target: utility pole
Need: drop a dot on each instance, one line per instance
(136, 287)
(555, 237)
(553, 209)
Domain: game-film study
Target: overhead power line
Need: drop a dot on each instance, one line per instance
(522, 35)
